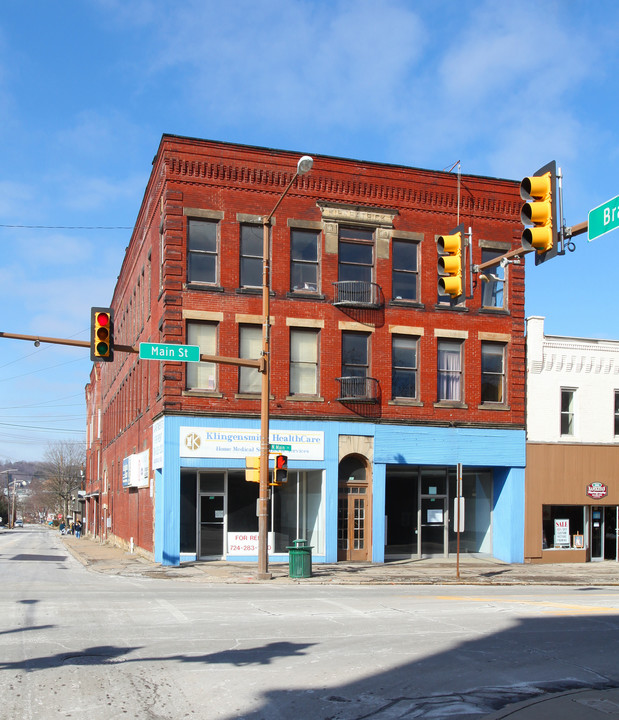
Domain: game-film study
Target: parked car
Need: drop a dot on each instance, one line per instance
(19, 523)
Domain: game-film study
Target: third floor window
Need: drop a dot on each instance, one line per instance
(202, 251)
(251, 255)
(304, 259)
(356, 255)
(405, 270)
(492, 290)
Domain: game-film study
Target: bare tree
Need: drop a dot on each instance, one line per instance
(63, 471)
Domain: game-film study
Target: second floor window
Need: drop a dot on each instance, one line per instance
(202, 251)
(251, 255)
(449, 379)
(405, 270)
(492, 372)
(355, 355)
(404, 366)
(303, 361)
(567, 412)
(250, 345)
(304, 254)
(202, 375)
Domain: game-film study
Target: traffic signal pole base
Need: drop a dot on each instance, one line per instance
(264, 576)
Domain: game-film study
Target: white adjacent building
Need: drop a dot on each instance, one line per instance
(572, 476)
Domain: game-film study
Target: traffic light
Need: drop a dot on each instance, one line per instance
(450, 262)
(101, 334)
(281, 469)
(540, 213)
(252, 469)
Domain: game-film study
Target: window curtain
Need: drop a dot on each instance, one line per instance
(202, 375)
(449, 371)
(303, 362)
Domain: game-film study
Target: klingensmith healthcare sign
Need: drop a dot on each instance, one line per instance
(200, 442)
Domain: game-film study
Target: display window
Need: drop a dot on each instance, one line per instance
(218, 513)
(560, 523)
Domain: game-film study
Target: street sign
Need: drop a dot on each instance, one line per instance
(603, 218)
(280, 448)
(166, 351)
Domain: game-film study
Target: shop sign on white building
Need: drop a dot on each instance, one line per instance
(200, 442)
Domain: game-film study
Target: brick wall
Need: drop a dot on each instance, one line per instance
(152, 301)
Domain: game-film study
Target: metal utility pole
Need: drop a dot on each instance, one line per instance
(304, 165)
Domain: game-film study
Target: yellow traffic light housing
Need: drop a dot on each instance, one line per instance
(101, 334)
(252, 469)
(450, 263)
(539, 213)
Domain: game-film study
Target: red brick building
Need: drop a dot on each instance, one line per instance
(380, 384)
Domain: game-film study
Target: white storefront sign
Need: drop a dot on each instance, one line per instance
(562, 533)
(158, 439)
(136, 470)
(200, 442)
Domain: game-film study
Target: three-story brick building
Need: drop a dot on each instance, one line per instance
(379, 385)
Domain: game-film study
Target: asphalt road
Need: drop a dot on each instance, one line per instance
(78, 644)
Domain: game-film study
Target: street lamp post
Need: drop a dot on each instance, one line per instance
(303, 166)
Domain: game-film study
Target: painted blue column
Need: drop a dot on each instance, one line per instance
(331, 493)
(508, 515)
(378, 513)
(158, 515)
(168, 500)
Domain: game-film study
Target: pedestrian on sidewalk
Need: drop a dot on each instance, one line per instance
(78, 529)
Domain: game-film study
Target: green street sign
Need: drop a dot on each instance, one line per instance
(280, 448)
(166, 351)
(603, 218)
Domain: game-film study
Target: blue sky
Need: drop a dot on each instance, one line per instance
(87, 88)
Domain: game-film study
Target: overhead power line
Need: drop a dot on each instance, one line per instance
(70, 227)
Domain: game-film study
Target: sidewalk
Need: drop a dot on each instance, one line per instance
(107, 558)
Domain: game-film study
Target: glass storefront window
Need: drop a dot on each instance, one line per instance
(212, 482)
(477, 493)
(297, 511)
(419, 506)
(556, 533)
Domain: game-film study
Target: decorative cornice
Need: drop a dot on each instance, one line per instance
(357, 191)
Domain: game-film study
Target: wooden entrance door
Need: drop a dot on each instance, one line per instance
(352, 541)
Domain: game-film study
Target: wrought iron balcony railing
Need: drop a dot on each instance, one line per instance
(357, 293)
(358, 389)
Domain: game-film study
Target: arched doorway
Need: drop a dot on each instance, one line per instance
(353, 510)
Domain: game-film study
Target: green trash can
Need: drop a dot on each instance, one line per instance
(299, 559)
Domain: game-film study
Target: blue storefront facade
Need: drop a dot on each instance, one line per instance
(356, 491)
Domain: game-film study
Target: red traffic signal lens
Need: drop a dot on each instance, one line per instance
(281, 462)
(103, 319)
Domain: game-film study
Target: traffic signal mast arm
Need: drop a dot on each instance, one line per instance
(128, 349)
(568, 232)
